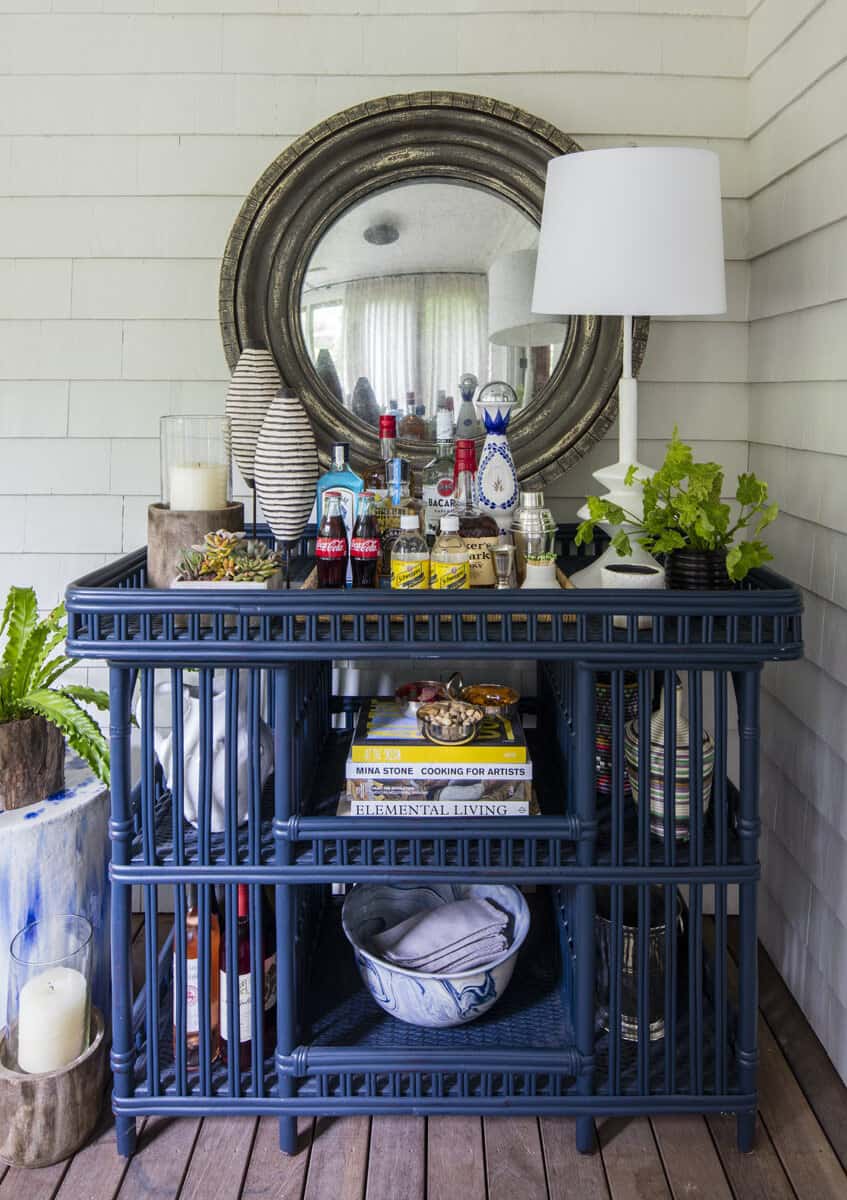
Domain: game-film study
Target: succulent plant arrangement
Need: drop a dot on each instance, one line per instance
(683, 510)
(29, 675)
(228, 558)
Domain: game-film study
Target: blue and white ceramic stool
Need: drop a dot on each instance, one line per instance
(54, 858)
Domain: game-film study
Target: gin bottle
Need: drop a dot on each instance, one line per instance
(341, 478)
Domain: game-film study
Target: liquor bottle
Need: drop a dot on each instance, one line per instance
(479, 531)
(239, 929)
(366, 546)
(331, 547)
(192, 979)
(377, 476)
(412, 426)
(467, 422)
(438, 482)
(450, 563)
(341, 478)
(410, 556)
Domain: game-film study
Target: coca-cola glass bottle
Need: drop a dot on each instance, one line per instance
(331, 549)
(365, 547)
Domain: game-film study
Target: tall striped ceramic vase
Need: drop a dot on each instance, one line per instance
(286, 466)
(255, 381)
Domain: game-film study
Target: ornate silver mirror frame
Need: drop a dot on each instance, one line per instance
(436, 135)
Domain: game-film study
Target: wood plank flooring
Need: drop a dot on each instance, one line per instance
(801, 1148)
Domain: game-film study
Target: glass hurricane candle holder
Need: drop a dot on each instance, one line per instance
(196, 463)
(49, 1002)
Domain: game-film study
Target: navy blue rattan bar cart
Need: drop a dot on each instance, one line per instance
(564, 1039)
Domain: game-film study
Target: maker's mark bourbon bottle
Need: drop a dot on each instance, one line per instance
(478, 531)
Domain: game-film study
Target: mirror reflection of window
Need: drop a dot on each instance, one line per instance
(397, 294)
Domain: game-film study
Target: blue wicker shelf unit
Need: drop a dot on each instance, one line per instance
(546, 1047)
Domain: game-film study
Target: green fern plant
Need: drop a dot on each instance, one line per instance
(32, 663)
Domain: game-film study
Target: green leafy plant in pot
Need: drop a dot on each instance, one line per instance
(37, 712)
(686, 521)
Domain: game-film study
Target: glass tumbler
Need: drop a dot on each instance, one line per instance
(629, 965)
(196, 463)
(49, 1002)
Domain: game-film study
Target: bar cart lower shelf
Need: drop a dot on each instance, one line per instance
(557, 1041)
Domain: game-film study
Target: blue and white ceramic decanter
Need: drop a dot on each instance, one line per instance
(496, 478)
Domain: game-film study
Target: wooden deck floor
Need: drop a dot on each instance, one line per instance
(801, 1150)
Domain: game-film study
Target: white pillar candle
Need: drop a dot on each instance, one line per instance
(198, 486)
(52, 1024)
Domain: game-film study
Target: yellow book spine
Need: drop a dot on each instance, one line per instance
(438, 754)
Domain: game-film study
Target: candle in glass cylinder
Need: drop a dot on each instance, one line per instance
(198, 487)
(52, 1020)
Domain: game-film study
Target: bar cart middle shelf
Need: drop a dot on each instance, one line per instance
(558, 1040)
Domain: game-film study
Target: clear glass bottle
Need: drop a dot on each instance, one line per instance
(332, 545)
(479, 531)
(377, 477)
(467, 422)
(412, 426)
(409, 556)
(192, 978)
(450, 563)
(438, 473)
(343, 479)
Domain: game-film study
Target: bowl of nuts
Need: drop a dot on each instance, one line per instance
(410, 696)
(450, 722)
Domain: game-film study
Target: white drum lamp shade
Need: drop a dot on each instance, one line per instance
(632, 231)
(635, 231)
(510, 317)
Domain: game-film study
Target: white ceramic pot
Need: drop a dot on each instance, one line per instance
(192, 750)
(540, 575)
(643, 575)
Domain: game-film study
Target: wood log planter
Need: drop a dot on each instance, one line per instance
(47, 1118)
(32, 761)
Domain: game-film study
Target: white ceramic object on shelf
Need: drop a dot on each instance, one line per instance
(192, 750)
(682, 769)
(623, 574)
(287, 467)
(255, 381)
(496, 477)
(540, 574)
(434, 1000)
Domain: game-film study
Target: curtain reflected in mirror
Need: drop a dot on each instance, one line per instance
(409, 290)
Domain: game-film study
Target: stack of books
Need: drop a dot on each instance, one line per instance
(393, 771)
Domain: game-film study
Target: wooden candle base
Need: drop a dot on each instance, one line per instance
(170, 531)
(47, 1118)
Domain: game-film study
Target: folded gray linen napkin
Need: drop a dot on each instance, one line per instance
(455, 936)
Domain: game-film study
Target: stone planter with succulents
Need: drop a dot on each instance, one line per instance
(687, 523)
(37, 713)
(227, 560)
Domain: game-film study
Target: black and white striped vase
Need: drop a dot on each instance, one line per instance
(286, 467)
(255, 381)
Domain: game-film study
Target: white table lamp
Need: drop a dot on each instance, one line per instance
(630, 232)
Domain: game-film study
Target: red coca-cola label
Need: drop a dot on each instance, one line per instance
(330, 547)
(364, 548)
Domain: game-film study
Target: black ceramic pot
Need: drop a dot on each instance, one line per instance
(697, 570)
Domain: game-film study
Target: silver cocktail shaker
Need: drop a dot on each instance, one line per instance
(534, 530)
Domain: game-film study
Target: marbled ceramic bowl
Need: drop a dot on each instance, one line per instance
(434, 1000)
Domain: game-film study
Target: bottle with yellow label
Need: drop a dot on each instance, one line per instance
(450, 569)
(410, 555)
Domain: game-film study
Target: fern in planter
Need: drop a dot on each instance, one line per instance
(31, 666)
(683, 510)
